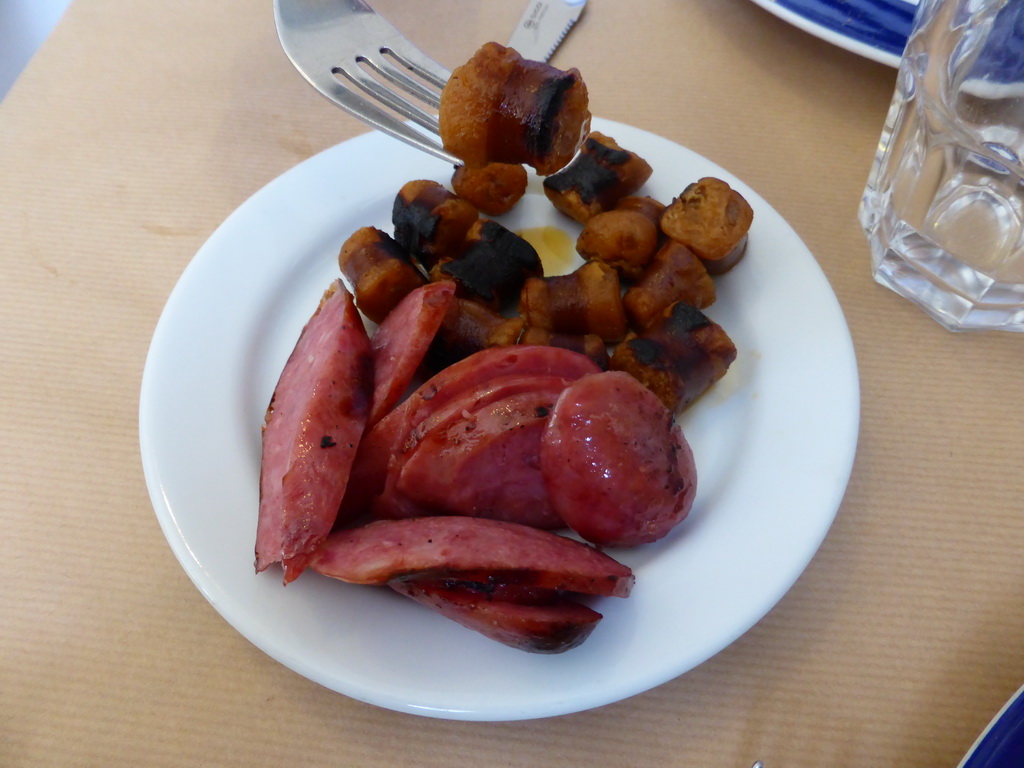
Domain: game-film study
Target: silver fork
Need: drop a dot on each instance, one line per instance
(361, 63)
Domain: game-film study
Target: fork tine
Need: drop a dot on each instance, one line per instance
(373, 115)
(381, 64)
(375, 89)
(417, 61)
(338, 45)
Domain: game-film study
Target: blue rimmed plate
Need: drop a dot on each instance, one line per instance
(875, 29)
(1001, 744)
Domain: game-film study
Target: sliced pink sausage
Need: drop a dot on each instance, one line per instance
(486, 462)
(542, 628)
(402, 340)
(617, 467)
(467, 375)
(313, 425)
(393, 503)
(384, 550)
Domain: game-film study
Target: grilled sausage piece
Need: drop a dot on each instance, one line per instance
(313, 425)
(469, 327)
(484, 462)
(679, 357)
(501, 108)
(385, 550)
(618, 468)
(430, 222)
(554, 626)
(401, 342)
(468, 375)
(601, 174)
(380, 271)
(493, 494)
(588, 300)
(674, 274)
(711, 219)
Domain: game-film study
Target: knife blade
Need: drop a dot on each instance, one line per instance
(544, 25)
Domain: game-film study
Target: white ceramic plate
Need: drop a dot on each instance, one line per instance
(874, 29)
(774, 443)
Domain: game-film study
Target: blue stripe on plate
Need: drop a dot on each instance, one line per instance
(1002, 745)
(881, 24)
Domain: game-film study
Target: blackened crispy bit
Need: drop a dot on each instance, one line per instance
(494, 265)
(493, 189)
(674, 274)
(601, 174)
(430, 222)
(469, 327)
(588, 300)
(711, 219)
(379, 270)
(587, 344)
(679, 357)
(534, 94)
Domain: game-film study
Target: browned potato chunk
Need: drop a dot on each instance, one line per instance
(493, 189)
(588, 300)
(601, 175)
(379, 270)
(675, 274)
(679, 357)
(430, 222)
(712, 220)
(624, 240)
(501, 108)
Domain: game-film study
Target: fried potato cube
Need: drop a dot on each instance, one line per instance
(493, 189)
(711, 219)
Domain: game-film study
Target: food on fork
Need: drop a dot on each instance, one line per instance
(494, 188)
(312, 426)
(711, 219)
(598, 177)
(501, 108)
